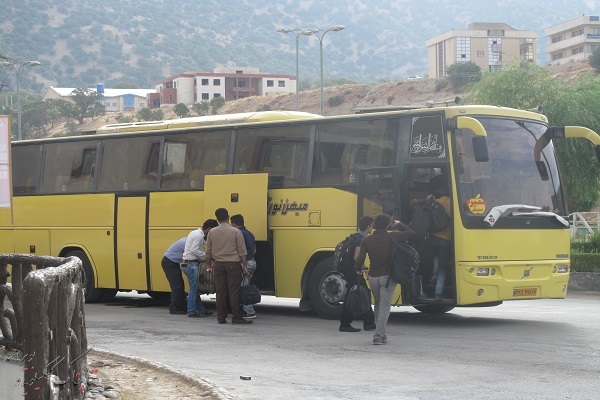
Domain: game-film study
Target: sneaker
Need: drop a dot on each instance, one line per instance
(177, 311)
(384, 339)
(348, 328)
(246, 315)
(222, 321)
(380, 341)
(208, 313)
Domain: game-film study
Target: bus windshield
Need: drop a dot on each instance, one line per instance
(511, 176)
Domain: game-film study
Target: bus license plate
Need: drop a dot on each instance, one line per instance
(524, 292)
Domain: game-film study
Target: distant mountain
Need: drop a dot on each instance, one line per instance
(84, 42)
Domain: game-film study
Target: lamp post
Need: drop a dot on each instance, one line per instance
(334, 28)
(298, 33)
(30, 64)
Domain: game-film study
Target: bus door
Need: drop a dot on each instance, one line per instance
(378, 192)
(132, 243)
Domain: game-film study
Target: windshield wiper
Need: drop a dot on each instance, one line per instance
(515, 209)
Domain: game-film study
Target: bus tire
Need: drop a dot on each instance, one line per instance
(324, 284)
(433, 308)
(92, 293)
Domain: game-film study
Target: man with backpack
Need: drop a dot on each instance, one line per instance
(441, 240)
(365, 227)
(379, 248)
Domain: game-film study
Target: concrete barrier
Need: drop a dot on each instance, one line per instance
(585, 281)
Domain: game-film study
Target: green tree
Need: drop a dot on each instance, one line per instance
(83, 103)
(201, 108)
(181, 110)
(461, 73)
(527, 86)
(147, 114)
(125, 85)
(217, 103)
(594, 58)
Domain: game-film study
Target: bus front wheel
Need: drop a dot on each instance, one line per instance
(326, 290)
(92, 293)
(433, 308)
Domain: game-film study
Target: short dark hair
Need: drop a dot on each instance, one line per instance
(237, 219)
(210, 223)
(382, 221)
(364, 223)
(222, 214)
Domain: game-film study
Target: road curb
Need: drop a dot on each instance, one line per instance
(585, 281)
(206, 385)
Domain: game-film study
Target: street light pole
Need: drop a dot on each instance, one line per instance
(30, 64)
(334, 28)
(297, 33)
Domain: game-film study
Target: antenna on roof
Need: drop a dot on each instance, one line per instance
(431, 103)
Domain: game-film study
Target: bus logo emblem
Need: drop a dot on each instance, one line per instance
(527, 273)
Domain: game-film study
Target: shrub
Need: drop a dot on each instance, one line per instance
(586, 244)
(585, 262)
(441, 85)
(335, 101)
(122, 119)
(390, 99)
(264, 107)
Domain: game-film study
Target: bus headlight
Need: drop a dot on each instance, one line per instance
(483, 271)
(563, 269)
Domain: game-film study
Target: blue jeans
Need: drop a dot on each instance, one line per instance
(442, 258)
(194, 304)
(251, 268)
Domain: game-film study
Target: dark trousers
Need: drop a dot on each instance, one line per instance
(173, 273)
(228, 276)
(348, 316)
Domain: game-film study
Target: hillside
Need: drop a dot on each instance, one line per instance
(82, 43)
(405, 93)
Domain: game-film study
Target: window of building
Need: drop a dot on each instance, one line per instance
(594, 32)
(239, 71)
(526, 49)
(480, 53)
(463, 49)
(557, 56)
(216, 82)
(577, 50)
(204, 96)
(441, 59)
(281, 83)
(216, 95)
(142, 105)
(240, 83)
(204, 82)
(114, 104)
(577, 33)
(494, 52)
(558, 38)
(269, 83)
(107, 104)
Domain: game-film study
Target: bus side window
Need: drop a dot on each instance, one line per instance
(26, 164)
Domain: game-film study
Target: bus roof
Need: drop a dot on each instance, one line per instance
(225, 119)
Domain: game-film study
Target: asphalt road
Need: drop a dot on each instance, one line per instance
(538, 349)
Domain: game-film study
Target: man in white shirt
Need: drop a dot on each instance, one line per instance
(193, 255)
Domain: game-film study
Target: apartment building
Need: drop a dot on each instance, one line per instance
(489, 45)
(228, 82)
(573, 40)
(114, 100)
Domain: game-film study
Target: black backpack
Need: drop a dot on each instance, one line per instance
(343, 257)
(431, 217)
(405, 262)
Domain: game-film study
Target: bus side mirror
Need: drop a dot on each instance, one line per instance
(480, 149)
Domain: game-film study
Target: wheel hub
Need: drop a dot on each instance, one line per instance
(333, 288)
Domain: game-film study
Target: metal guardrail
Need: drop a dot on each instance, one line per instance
(46, 324)
(586, 223)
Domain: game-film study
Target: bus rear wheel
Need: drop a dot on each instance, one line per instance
(326, 290)
(92, 293)
(433, 308)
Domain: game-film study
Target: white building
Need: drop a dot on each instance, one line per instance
(573, 40)
(114, 99)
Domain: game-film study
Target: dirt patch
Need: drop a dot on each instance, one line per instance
(136, 378)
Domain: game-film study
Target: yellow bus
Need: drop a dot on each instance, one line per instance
(119, 197)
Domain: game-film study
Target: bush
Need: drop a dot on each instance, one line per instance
(586, 244)
(585, 262)
(390, 99)
(335, 101)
